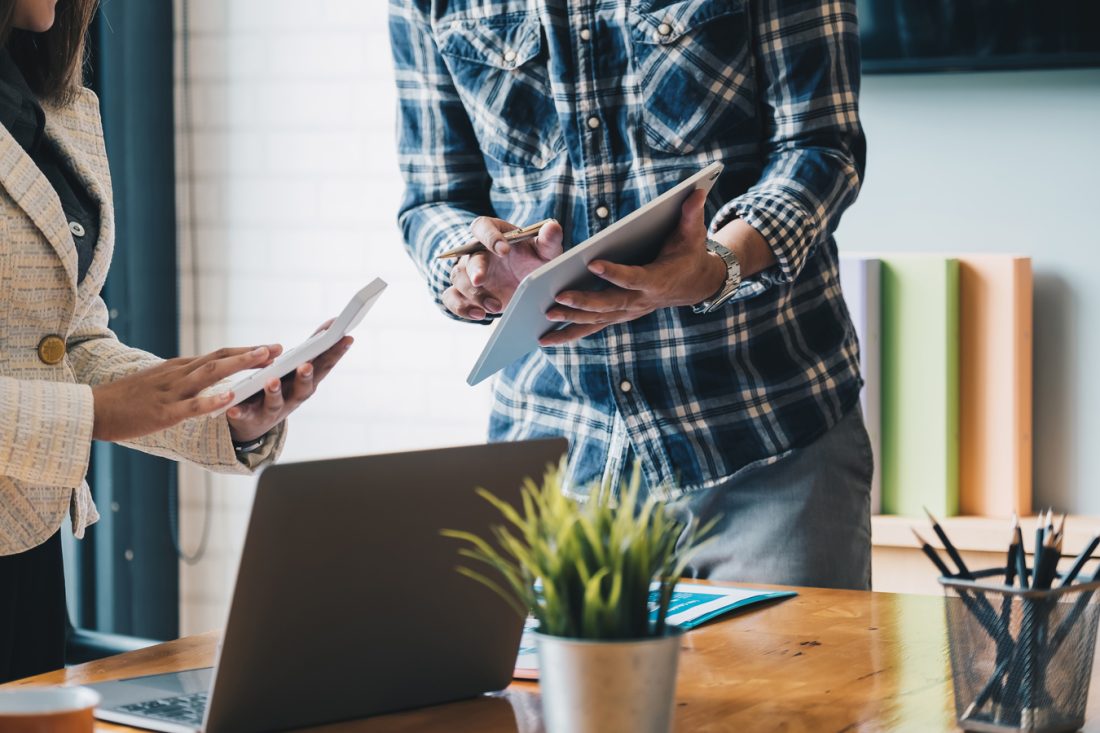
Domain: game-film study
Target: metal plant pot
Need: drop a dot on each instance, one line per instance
(591, 686)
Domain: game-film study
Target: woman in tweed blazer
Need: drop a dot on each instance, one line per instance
(64, 377)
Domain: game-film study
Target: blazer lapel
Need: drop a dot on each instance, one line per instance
(63, 127)
(33, 193)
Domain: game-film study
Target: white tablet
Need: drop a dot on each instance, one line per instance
(249, 383)
(633, 240)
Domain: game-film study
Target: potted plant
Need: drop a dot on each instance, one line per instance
(587, 572)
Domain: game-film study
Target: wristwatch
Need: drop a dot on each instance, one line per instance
(729, 287)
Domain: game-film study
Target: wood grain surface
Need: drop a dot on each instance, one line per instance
(825, 660)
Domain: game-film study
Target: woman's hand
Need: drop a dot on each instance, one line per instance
(169, 393)
(264, 410)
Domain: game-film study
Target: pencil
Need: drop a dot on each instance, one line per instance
(516, 235)
(1079, 562)
(1021, 559)
(933, 555)
(951, 551)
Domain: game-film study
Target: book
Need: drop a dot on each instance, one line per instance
(920, 384)
(692, 604)
(860, 282)
(995, 383)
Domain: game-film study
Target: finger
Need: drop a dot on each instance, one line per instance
(477, 267)
(628, 277)
(603, 301)
(570, 333)
(460, 279)
(196, 362)
(202, 405)
(324, 326)
(561, 314)
(548, 244)
(324, 363)
(273, 352)
(273, 397)
(691, 213)
(304, 384)
(212, 372)
(456, 303)
(490, 232)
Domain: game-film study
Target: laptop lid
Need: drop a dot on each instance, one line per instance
(347, 602)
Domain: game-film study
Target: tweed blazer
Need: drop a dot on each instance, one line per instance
(46, 411)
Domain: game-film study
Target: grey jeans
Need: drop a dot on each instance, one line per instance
(803, 520)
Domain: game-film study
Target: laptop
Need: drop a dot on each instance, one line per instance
(347, 601)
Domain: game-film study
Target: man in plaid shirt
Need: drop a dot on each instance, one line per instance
(729, 366)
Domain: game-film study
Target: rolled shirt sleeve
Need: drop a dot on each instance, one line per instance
(446, 184)
(807, 56)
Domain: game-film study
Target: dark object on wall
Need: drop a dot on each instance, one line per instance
(969, 35)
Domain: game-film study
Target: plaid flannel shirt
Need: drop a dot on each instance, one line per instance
(583, 110)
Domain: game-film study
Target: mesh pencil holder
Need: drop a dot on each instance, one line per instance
(1021, 660)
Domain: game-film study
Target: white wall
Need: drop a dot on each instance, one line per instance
(1004, 162)
(295, 186)
(295, 191)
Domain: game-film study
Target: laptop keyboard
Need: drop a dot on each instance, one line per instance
(182, 709)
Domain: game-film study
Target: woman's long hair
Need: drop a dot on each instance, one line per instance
(51, 62)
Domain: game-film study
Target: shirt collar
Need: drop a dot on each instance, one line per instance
(20, 112)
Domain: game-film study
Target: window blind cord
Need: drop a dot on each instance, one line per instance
(185, 227)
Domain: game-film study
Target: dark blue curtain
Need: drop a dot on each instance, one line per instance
(127, 571)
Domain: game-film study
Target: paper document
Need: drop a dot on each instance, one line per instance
(691, 605)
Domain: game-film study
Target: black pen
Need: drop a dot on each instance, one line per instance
(964, 572)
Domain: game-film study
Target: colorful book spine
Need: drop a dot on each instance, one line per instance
(995, 384)
(920, 384)
(860, 281)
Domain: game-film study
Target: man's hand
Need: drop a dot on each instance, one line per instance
(484, 282)
(684, 273)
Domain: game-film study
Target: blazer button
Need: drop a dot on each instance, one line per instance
(51, 349)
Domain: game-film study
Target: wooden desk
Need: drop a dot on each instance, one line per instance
(824, 661)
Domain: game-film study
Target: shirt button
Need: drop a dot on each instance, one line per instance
(76, 228)
(625, 386)
(586, 35)
(664, 29)
(593, 122)
(510, 56)
(51, 349)
(602, 212)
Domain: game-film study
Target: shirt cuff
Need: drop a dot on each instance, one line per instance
(785, 225)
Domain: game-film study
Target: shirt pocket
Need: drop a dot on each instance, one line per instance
(497, 65)
(694, 69)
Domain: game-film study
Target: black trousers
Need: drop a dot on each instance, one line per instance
(33, 615)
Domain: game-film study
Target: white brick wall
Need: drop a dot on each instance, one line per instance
(288, 197)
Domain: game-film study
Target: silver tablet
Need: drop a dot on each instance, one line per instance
(633, 240)
(250, 382)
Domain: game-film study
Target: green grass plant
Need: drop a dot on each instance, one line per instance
(584, 569)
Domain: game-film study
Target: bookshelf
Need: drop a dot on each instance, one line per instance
(898, 566)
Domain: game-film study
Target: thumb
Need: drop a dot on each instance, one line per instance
(691, 213)
(548, 244)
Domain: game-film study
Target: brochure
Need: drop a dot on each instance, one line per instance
(692, 604)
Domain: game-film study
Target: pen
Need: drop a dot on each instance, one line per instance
(516, 235)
